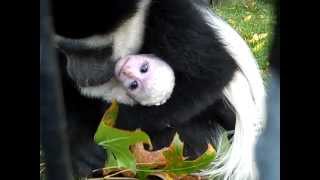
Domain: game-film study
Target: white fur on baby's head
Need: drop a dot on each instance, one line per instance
(160, 88)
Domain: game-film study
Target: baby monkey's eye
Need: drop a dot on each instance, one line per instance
(144, 68)
(134, 85)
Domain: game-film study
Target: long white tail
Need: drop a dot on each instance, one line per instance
(247, 95)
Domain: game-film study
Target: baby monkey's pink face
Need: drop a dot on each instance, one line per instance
(147, 79)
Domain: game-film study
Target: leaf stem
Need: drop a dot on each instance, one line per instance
(119, 172)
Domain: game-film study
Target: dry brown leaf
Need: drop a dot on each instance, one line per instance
(190, 178)
(151, 159)
(168, 176)
(128, 174)
(164, 176)
(247, 18)
(112, 172)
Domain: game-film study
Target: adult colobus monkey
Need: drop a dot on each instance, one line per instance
(217, 80)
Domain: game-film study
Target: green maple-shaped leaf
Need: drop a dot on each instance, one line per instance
(117, 142)
(177, 163)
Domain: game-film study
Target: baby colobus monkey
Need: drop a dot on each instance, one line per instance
(147, 79)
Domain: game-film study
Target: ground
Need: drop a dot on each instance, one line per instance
(254, 20)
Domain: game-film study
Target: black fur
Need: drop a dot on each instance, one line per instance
(176, 33)
(89, 67)
(81, 18)
(83, 115)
